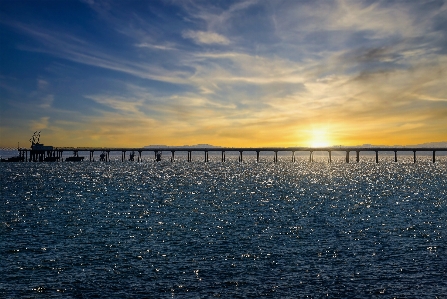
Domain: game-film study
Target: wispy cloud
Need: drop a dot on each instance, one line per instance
(156, 47)
(202, 37)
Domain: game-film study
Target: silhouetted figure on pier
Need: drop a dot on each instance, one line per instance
(102, 157)
(132, 156)
(158, 156)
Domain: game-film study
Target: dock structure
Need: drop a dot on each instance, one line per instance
(51, 153)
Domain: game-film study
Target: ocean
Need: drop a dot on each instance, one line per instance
(229, 230)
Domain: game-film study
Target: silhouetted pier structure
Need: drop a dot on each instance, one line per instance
(56, 153)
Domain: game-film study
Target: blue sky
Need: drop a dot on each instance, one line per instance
(230, 73)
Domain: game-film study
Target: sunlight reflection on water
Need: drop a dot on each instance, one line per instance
(229, 229)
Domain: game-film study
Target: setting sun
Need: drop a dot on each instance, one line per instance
(319, 138)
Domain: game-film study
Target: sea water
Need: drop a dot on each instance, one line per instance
(229, 230)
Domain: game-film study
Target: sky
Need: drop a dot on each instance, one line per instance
(229, 73)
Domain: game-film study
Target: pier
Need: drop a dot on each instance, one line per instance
(50, 153)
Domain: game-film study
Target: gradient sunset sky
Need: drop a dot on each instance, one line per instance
(228, 73)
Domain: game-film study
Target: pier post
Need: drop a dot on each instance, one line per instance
(347, 156)
(311, 158)
(395, 156)
(139, 157)
(357, 158)
(377, 156)
(189, 156)
(330, 156)
(108, 156)
(257, 156)
(414, 156)
(172, 156)
(275, 159)
(206, 156)
(434, 156)
(240, 156)
(293, 156)
(223, 156)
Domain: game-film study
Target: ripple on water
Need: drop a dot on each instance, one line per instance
(206, 229)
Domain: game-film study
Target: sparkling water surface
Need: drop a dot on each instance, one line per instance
(229, 230)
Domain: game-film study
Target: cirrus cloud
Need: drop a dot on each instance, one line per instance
(204, 37)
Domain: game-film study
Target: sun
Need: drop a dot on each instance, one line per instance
(319, 138)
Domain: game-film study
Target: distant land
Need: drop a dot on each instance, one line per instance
(182, 146)
(442, 144)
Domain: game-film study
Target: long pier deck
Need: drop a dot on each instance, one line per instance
(57, 152)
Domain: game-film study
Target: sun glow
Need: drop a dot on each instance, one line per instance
(319, 138)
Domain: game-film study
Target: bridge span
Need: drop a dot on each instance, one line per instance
(56, 153)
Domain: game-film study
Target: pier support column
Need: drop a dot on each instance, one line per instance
(434, 156)
(189, 156)
(108, 156)
(223, 156)
(257, 156)
(172, 156)
(347, 156)
(414, 156)
(395, 156)
(206, 156)
(139, 157)
(357, 158)
(240, 156)
(377, 156)
(311, 156)
(275, 159)
(293, 156)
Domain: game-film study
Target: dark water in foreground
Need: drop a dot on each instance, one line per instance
(198, 230)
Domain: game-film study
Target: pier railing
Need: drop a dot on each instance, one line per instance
(57, 152)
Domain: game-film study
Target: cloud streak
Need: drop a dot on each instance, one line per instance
(202, 37)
